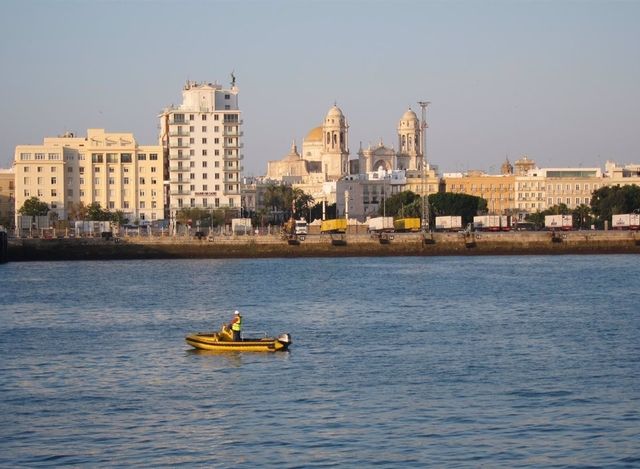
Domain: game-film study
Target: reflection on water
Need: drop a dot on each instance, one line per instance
(400, 362)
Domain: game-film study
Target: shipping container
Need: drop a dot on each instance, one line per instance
(407, 224)
(380, 224)
(448, 223)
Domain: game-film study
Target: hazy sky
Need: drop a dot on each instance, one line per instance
(558, 81)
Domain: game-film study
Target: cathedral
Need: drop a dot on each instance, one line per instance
(325, 153)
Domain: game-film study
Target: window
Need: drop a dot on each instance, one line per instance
(192, 187)
(96, 181)
(204, 128)
(216, 152)
(40, 169)
(81, 170)
(215, 118)
(217, 176)
(142, 204)
(204, 187)
(111, 180)
(53, 181)
(96, 192)
(112, 169)
(217, 187)
(53, 169)
(125, 157)
(216, 164)
(192, 128)
(216, 140)
(25, 156)
(204, 140)
(204, 117)
(26, 181)
(142, 156)
(125, 181)
(96, 169)
(112, 205)
(153, 156)
(216, 202)
(216, 129)
(204, 175)
(153, 169)
(39, 156)
(125, 204)
(154, 181)
(81, 181)
(192, 176)
(141, 180)
(192, 202)
(204, 152)
(227, 96)
(97, 158)
(204, 202)
(141, 193)
(69, 192)
(112, 157)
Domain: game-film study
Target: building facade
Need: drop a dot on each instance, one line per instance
(108, 168)
(201, 140)
(7, 197)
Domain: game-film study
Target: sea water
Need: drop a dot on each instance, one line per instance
(396, 362)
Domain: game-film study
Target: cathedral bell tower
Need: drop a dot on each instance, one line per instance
(409, 151)
(335, 144)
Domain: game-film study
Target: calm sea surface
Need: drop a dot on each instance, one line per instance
(396, 362)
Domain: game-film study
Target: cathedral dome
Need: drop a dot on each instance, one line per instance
(409, 116)
(335, 113)
(314, 135)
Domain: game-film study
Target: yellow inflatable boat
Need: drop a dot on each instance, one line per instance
(223, 342)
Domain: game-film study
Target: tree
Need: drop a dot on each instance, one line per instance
(119, 218)
(402, 204)
(96, 213)
(449, 203)
(582, 217)
(608, 201)
(78, 211)
(33, 207)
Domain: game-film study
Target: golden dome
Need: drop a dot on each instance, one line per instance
(314, 135)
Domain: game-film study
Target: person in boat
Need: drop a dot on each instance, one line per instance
(236, 326)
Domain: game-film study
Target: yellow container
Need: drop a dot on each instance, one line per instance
(407, 224)
(338, 225)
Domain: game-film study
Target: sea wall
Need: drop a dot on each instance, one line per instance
(398, 244)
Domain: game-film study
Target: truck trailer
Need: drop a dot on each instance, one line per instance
(448, 223)
(338, 225)
(492, 222)
(625, 221)
(558, 222)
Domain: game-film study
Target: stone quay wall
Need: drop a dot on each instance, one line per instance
(394, 244)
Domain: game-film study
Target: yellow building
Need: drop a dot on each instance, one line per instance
(497, 189)
(108, 168)
(7, 197)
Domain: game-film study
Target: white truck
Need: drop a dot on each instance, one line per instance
(241, 226)
(558, 222)
(301, 227)
(380, 224)
(625, 221)
(492, 222)
(448, 223)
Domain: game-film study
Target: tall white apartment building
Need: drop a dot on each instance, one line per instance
(108, 168)
(201, 141)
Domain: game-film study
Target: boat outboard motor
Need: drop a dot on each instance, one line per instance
(285, 338)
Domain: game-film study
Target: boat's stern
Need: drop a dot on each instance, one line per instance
(285, 340)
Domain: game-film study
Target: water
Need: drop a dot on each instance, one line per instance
(396, 362)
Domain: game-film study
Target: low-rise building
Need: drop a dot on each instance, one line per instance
(7, 197)
(108, 168)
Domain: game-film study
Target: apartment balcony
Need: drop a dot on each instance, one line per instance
(233, 133)
(179, 133)
(178, 145)
(174, 156)
(233, 157)
(179, 122)
(226, 144)
(232, 192)
(233, 170)
(178, 169)
(178, 192)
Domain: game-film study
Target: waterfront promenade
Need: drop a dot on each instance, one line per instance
(325, 245)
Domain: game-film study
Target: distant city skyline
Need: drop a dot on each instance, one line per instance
(557, 81)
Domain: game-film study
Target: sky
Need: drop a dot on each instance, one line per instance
(558, 81)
